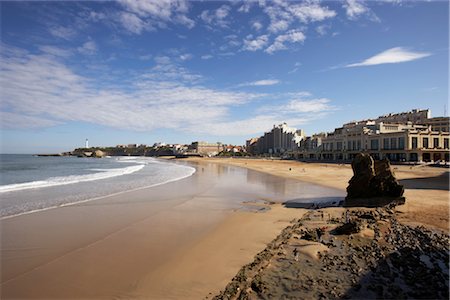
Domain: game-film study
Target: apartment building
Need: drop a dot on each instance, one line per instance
(279, 140)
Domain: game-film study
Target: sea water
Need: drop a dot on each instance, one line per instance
(29, 183)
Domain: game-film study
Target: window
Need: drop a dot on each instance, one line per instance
(401, 143)
(373, 144)
(349, 145)
(446, 143)
(425, 143)
(353, 145)
(414, 143)
(358, 145)
(339, 145)
(385, 143)
(436, 143)
(393, 143)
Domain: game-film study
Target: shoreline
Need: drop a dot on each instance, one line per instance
(119, 246)
(188, 243)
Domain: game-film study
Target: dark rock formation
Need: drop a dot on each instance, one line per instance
(373, 183)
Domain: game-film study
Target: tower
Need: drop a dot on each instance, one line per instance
(86, 144)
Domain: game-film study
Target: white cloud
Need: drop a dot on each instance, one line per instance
(217, 17)
(206, 56)
(391, 56)
(311, 11)
(278, 25)
(186, 56)
(133, 23)
(257, 25)
(308, 106)
(245, 7)
(45, 92)
(11, 120)
(263, 82)
(253, 44)
(292, 36)
(88, 48)
(322, 29)
(356, 8)
(62, 32)
(147, 14)
(39, 91)
(296, 67)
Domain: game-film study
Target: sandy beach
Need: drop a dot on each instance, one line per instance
(185, 239)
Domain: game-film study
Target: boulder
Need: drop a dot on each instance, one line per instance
(98, 153)
(373, 183)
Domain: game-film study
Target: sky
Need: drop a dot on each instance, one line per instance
(135, 71)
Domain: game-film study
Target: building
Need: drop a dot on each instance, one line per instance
(279, 140)
(251, 145)
(411, 136)
(205, 149)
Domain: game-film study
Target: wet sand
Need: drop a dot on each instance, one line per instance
(426, 188)
(184, 239)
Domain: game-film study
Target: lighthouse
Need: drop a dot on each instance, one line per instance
(86, 144)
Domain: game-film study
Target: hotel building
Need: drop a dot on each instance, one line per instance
(411, 136)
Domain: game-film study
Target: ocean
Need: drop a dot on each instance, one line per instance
(29, 183)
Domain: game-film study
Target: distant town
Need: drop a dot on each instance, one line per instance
(412, 136)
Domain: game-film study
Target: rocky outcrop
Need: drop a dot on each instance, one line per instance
(98, 154)
(373, 183)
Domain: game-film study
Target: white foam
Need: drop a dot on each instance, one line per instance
(190, 171)
(63, 180)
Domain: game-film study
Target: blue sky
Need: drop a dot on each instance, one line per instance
(179, 71)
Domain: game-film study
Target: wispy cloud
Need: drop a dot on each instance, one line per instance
(186, 56)
(62, 32)
(147, 15)
(292, 36)
(133, 23)
(55, 51)
(391, 56)
(206, 56)
(41, 91)
(264, 82)
(88, 48)
(356, 8)
(254, 44)
(217, 17)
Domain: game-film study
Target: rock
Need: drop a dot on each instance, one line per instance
(373, 183)
(347, 228)
(98, 154)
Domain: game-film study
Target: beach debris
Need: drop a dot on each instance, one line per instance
(373, 183)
